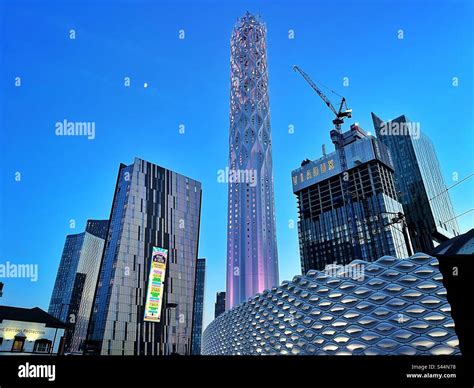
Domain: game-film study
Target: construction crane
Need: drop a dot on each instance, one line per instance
(338, 140)
(343, 110)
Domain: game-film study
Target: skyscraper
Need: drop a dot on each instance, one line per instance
(145, 294)
(252, 259)
(219, 306)
(76, 280)
(324, 230)
(198, 306)
(97, 227)
(419, 182)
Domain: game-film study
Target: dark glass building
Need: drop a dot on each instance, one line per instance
(98, 228)
(144, 300)
(76, 280)
(323, 225)
(220, 304)
(198, 306)
(419, 182)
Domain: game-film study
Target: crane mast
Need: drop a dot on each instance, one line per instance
(338, 140)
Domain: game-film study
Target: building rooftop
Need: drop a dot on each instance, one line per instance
(359, 147)
(459, 245)
(34, 314)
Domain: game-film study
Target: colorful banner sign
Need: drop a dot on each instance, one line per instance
(156, 282)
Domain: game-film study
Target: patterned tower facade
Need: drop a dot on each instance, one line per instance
(252, 259)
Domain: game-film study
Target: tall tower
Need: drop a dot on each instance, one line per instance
(419, 181)
(76, 281)
(198, 306)
(252, 259)
(144, 300)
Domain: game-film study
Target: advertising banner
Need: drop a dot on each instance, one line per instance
(156, 281)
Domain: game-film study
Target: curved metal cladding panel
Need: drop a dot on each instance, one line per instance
(387, 307)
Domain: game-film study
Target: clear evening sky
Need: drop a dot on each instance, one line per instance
(82, 79)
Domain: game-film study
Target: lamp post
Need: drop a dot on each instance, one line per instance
(170, 306)
(400, 218)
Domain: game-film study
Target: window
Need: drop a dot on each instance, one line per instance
(18, 344)
(42, 346)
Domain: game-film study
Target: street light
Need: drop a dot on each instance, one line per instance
(400, 218)
(168, 307)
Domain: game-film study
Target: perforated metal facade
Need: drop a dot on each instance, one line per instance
(393, 307)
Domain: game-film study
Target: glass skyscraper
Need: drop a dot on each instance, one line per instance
(76, 280)
(198, 306)
(324, 230)
(419, 182)
(98, 227)
(219, 306)
(252, 260)
(154, 210)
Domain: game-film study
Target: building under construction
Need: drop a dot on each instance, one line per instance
(348, 205)
(327, 234)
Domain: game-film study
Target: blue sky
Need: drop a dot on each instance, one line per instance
(64, 178)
